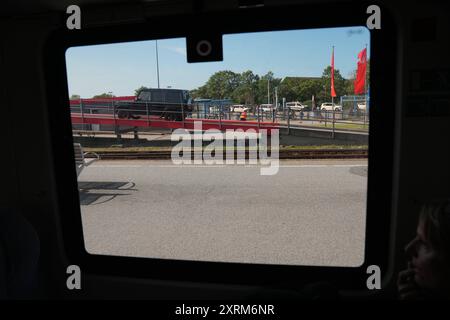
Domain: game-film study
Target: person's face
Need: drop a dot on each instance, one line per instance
(426, 261)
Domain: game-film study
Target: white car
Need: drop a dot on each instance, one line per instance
(239, 108)
(328, 106)
(362, 106)
(266, 107)
(295, 106)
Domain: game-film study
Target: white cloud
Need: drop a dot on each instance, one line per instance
(179, 50)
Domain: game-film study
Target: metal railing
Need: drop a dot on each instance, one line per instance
(145, 111)
(358, 121)
(132, 109)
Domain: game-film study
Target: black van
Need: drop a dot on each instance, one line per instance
(169, 104)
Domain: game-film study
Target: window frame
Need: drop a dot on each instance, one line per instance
(381, 142)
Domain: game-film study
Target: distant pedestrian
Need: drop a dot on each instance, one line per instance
(243, 116)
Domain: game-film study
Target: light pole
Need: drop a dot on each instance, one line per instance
(157, 63)
(276, 97)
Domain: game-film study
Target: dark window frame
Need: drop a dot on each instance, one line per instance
(381, 142)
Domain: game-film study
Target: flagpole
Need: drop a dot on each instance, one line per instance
(365, 90)
(332, 97)
(365, 81)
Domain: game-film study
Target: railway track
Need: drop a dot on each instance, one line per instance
(283, 154)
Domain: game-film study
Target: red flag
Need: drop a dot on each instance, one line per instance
(360, 80)
(333, 92)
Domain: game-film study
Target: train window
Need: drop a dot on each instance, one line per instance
(179, 179)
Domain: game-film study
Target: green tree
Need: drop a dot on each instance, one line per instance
(288, 88)
(222, 84)
(75, 97)
(340, 85)
(103, 95)
(199, 93)
(267, 81)
(247, 87)
(138, 90)
(247, 90)
(300, 89)
(307, 88)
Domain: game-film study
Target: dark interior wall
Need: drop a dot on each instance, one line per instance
(422, 147)
(30, 187)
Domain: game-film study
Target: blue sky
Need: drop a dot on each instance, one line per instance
(123, 67)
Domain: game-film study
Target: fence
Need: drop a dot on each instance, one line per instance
(346, 120)
(125, 108)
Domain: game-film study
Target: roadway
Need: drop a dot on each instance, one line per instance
(311, 213)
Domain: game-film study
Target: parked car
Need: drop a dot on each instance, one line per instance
(296, 106)
(239, 108)
(265, 107)
(328, 106)
(362, 106)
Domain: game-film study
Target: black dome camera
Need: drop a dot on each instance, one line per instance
(204, 48)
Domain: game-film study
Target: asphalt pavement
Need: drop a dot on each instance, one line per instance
(312, 212)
